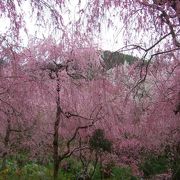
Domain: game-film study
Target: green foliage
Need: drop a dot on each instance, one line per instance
(173, 154)
(153, 165)
(21, 159)
(74, 166)
(123, 173)
(29, 171)
(34, 171)
(99, 143)
(112, 59)
(175, 166)
(120, 173)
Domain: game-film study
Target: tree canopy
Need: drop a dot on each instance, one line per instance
(57, 97)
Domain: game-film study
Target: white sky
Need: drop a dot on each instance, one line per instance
(109, 39)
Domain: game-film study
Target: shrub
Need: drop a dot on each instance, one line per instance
(99, 143)
(153, 165)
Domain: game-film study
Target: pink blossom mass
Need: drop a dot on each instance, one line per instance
(62, 95)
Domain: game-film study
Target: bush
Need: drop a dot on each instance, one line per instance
(120, 173)
(176, 169)
(154, 165)
(36, 171)
(99, 143)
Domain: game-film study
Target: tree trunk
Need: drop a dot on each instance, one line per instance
(56, 168)
(56, 132)
(6, 142)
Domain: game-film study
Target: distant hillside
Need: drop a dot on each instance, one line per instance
(112, 59)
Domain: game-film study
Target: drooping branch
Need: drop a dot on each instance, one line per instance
(143, 78)
(165, 17)
(69, 151)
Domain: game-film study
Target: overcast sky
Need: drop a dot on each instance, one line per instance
(109, 39)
